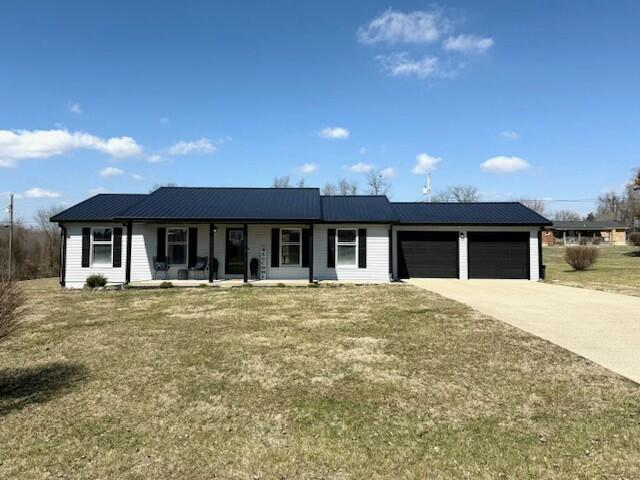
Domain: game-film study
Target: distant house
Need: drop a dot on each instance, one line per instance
(607, 232)
(226, 234)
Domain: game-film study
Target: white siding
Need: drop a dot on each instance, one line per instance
(464, 270)
(377, 270)
(75, 274)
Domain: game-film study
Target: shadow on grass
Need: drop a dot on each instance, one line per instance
(22, 386)
(633, 253)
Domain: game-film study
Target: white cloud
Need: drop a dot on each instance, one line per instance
(111, 172)
(75, 107)
(97, 190)
(29, 144)
(37, 192)
(502, 164)
(470, 44)
(154, 158)
(425, 163)
(361, 168)
(388, 172)
(334, 133)
(397, 27)
(309, 168)
(137, 176)
(509, 135)
(164, 120)
(402, 65)
(202, 146)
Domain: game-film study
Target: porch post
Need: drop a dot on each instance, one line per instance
(246, 252)
(564, 238)
(311, 253)
(212, 234)
(128, 264)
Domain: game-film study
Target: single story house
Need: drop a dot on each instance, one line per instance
(608, 232)
(293, 233)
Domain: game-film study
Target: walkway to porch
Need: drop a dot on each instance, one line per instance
(219, 283)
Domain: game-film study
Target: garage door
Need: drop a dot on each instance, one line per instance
(498, 254)
(428, 254)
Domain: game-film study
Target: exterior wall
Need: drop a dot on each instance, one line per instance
(75, 274)
(619, 237)
(534, 267)
(377, 270)
(548, 238)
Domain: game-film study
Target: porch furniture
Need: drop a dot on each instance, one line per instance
(183, 274)
(200, 266)
(253, 268)
(160, 266)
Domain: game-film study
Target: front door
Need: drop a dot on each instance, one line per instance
(234, 256)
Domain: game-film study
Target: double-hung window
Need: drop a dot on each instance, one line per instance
(102, 246)
(290, 247)
(177, 246)
(346, 247)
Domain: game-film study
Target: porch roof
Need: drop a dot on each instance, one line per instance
(227, 204)
(595, 225)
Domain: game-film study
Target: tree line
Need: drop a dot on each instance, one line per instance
(36, 247)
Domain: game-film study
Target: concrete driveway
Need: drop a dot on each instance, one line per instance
(603, 327)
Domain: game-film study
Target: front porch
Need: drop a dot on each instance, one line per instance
(220, 254)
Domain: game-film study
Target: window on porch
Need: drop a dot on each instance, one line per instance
(290, 247)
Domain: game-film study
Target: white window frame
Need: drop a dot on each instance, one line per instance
(349, 244)
(283, 243)
(101, 242)
(186, 247)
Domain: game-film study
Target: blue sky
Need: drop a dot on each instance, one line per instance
(119, 96)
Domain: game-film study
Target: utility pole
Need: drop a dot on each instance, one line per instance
(426, 190)
(10, 235)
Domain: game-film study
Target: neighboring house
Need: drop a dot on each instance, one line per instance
(585, 232)
(294, 233)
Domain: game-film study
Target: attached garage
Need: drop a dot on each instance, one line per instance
(498, 254)
(428, 254)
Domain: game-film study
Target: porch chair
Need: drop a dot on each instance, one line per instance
(160, 266)
(200, 266)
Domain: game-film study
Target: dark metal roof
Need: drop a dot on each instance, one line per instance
(101, 207)
(186, 203)
(290, 204)
(478, 213)
(360, 208)
(593, 225)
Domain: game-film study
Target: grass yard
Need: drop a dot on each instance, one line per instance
(617, 270)
(300, 383)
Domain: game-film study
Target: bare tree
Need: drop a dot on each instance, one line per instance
(458, 193)
(329, 189)
(342, 187)
(300, 183)
(566, 216)
(377, 183)
(533, 204)
(12, 303)
(464, 193)
(52, 234)
(346, 187)
(281, 182)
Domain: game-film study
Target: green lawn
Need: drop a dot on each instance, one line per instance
(289, 383)
(617, 270)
